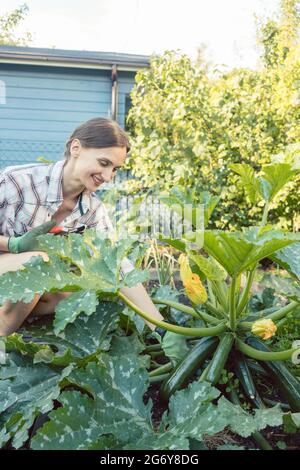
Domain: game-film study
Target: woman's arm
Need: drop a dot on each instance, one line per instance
(140, 297)
(3, 243)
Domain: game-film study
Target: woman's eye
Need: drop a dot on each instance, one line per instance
(103, 163)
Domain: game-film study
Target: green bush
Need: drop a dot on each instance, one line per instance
(188, 125)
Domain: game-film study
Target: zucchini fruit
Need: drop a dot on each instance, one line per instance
(213, 371)
(189, 364)
(280, 375)
(243, 373)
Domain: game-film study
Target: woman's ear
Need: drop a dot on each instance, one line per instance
(75, 147)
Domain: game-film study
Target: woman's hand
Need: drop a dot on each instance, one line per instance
(28, 241)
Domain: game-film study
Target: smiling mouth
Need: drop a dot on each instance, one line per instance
(97, 181)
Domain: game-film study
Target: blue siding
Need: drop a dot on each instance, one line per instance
(44, 105)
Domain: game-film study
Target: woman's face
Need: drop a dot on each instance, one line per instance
(93, 166)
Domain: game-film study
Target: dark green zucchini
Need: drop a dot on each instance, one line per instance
(243, 373)
(280, 375)
(213, 371)
(189, 364)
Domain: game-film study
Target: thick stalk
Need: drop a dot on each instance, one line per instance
(211, 294)
(158, 378)
(215, 311)
(219, 293)
(188, 310)
(210, 331)
(232, 305)
(264, 355)
(161, 370)
(245, 295)
(283, 406)
(281, 313)
(265, 214)
(152, 347)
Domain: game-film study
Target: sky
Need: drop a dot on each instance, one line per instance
(226, 27)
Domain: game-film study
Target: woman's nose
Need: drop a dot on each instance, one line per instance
(107, 175)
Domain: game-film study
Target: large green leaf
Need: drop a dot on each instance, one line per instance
(78, 343)
(71, 267)
(67, 310)
(117, 386)
(274, 177)
(114, 415)
(248, 180)
(26, 390)
(238, 251)
(246, 424)
(208, 266)
(289, 259)
(175, 242)
(271, 180)
(285, 286)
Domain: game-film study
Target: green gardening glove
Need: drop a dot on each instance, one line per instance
(28, 241)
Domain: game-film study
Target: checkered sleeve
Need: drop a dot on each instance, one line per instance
(105, 225)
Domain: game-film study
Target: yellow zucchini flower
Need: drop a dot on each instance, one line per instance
(192, 283)
(264, 328)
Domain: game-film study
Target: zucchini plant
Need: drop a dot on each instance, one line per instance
(75, 352)
(219, 264)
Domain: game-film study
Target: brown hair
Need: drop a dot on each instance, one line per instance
(99, 133)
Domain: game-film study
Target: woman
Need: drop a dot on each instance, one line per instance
(36, 197)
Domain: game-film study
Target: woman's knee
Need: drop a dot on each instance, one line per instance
(13, 261)
(12, 315)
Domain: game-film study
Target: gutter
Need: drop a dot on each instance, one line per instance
(52, 60)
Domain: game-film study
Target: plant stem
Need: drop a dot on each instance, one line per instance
(156, 353)
(283, 311)
(265, 214)
(232, 305)
(162, 369)
(153, 347)
(215, 311)
(245, 295)
(264, 355)
(210, 331)
(188, 310)
(261, 441)
(220, 295)
(158, 378)
(280, 313)
(284, 406)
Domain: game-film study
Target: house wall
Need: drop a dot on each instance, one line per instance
(40, 107)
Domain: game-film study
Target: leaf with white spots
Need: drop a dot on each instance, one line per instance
(244, 423)
(115, 406)
(71, 267)
(67, 310)
(78, 343)
(26, 390)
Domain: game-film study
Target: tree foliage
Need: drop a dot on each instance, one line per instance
(9, 23)
(188, 125)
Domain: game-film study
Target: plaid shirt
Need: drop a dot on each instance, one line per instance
(31, 194)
